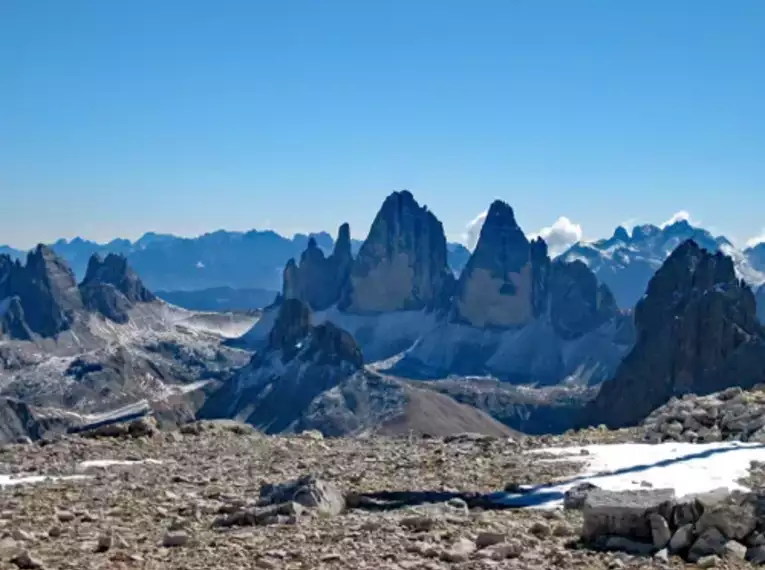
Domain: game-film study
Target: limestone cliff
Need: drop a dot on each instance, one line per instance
(402, 265)
(510, 282)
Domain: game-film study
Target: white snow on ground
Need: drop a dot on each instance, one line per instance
(6, 480)
(685, 467)
(116, 462)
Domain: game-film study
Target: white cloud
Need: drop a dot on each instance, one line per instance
(756, 240)
(560, 236)
(681, 216)
(473, 231)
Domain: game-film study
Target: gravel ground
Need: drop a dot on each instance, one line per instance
(121, 515)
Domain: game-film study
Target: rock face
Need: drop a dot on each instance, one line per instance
(46, 292)
(319, 281)
(514, 313)
(42, 298)
(696, 333)
(313, 378)
(111, 287)
(510, 282)
(760, 299)
(61, 348)
(402, 264)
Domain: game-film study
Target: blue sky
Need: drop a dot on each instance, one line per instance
(186, 116)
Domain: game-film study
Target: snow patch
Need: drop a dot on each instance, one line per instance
(8, 480)
(687, 468)
(103, 463)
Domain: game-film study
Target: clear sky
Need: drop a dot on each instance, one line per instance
(187, 116)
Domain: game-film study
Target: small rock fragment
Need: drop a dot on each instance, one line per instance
(175, 538)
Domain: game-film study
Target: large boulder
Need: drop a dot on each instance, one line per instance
(402, 264)
(697, 332)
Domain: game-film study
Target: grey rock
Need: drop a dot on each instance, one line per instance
(682, 539)
(756, 555)
(175, 538)
(710, 542)
(735, 520)
(308, 491)
(575, 497)
(734, 550)
(660, 532)
(486, 539)
(662, 556)
(628, 545)
(460, 551)
(25, 561)
(624, 513)
(710, 561)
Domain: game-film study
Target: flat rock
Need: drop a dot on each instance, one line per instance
(623, 513)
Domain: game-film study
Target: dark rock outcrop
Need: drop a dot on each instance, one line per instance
(319, 281)
(510, 282)
(19, 421)
(46, 292)
(112, 288)
(299, 363)
(697, 332)
(402, 264)
(760, 301)
(313, 378)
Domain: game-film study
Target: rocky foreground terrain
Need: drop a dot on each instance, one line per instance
(209, 496)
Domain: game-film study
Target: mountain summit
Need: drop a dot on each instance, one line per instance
(697, 332)
(402, 265)
(626, 262)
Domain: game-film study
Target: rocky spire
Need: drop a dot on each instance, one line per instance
(46, 290)
(112, 288)
(114, 270)
(496, 287)
(697, 332)
(510, 282)
(402, 265)
(318, 280)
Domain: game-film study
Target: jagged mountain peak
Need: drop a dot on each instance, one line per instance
(402, 264)
(627, 265)
(697, 331)
(114, 270)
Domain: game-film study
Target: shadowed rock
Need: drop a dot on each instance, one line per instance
(319, 281)
(697, 332)
(112, 288)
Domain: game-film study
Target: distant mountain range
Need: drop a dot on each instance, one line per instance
(243, 270)
(222, 268)
(627, 261)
